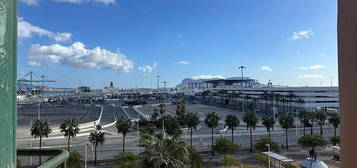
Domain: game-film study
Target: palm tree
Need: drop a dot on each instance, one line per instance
(251, 119)
(265, 96)
(232, 122)
(335, 121)
(192, 121)
(291, 96)
(69, 128)
(164, 151)
(277, 98)
(96, 138)
(123, 126)
(304, 119)
(40, 129)
(321, 118)
(181, 109)
(286, 122)
(162, 108)
(300, 101)
(211, 121)
(155, 114)
(283, 101)
(312, 117)
(271, 98)
(268, 122)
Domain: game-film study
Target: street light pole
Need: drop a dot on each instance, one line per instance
(163, 117)
(268, 145)
(242, 70)
(31, 144)
(42, 89)
(85, 154)
(158, 86)
(138, 149)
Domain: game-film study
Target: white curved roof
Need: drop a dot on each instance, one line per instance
(311, 163)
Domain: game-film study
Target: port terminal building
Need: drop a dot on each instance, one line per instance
(251, 91)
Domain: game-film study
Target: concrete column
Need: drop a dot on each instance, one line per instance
(347, 67)
(8, 24)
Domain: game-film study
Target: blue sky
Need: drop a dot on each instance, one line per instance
(129, 42)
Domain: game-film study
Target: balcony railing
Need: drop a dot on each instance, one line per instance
(60, 156)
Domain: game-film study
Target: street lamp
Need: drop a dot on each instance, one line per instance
(39, 111)
(138, 122)
(268, 145)
(242, 69)
(85, 154)
(163, 117)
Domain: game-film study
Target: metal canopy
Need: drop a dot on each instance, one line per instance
(278, 157)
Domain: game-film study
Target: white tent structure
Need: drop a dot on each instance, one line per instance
(311, 163)
(277, 159)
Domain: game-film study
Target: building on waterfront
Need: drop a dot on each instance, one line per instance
(83, 89)
(296, 98)
(223, 83)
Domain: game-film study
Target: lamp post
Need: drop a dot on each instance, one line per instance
(163, 117)
(38, 111)
(242, 70)
(268, 145)
(85, 154)
(31, 144)
(138, 149)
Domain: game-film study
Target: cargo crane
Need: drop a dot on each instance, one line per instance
(34, 78)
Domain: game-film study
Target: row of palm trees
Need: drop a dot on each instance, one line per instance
(309, 118)
(70, 128)
(124, 125)
(286, 122)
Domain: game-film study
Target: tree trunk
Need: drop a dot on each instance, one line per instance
(269, 132)
(321, 130)
(212, 141)
(266, 107)
(69, 139)
(232, 135)
(312, 127)
(334, 133)
(191, 137)
(123, 143)
(95, 155)
(39, 157)
(251, 140)
(286, 138)
(304, 130)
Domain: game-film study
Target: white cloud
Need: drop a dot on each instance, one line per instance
(266, 68)
(310, 76)
(301, 34)
(30, 2)
(27, 30)
(179, 35)
(207, 77)
(146, 69)
(106, 2)
(72, 1)
(313, 67)
(183, 62)
(76, 55)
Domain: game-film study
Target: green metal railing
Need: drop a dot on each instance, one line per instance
(60, 156)
(8, 48)
(8, 38)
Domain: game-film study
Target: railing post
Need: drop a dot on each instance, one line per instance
(8, 37)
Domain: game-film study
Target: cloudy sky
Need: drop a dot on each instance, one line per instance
(92, 42)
